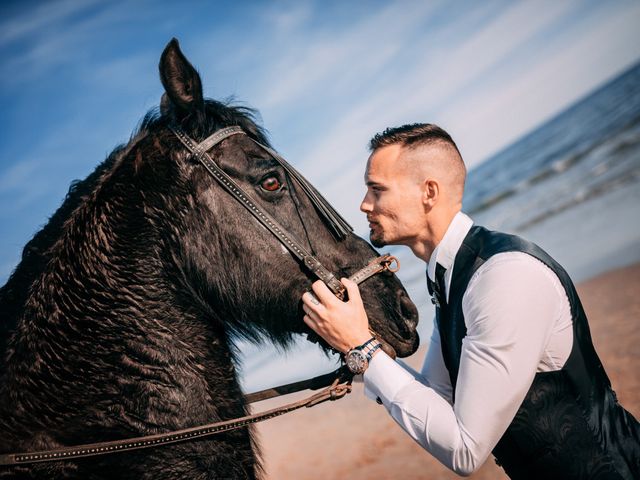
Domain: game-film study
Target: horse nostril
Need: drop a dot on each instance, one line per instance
(408, 309)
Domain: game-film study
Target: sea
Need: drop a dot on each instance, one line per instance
(571, 185)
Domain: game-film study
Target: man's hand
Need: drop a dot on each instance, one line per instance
(343, 325)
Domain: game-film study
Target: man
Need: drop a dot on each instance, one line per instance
(511, 368)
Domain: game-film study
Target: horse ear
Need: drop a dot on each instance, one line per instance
(181, 81)
(165, 105)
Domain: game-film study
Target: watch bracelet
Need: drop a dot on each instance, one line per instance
(372, 350)
(364, 345)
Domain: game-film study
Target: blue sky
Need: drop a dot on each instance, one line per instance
(77, 76)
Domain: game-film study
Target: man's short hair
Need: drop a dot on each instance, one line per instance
(416, 135)
(412, 136)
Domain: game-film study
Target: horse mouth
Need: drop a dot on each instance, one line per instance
(400, 347)
(399, 338)
(387, 348)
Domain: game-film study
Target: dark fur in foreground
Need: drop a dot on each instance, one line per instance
(119, 320)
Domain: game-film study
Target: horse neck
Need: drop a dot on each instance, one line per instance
(99, 266)
(106, 304)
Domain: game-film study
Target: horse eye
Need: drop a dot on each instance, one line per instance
(270, 184)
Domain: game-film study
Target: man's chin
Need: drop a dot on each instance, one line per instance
(377, 241)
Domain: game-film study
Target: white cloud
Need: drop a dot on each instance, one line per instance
(469, 89)
(54, 38)
(17, 174)
(436, 79)
(513, 105)
(327, 59)
(288, 17)
(44, 16)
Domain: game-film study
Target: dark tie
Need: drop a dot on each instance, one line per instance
(437, 289)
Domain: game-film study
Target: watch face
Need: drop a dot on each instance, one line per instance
(356, 361)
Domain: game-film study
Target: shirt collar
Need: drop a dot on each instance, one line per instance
(446, 251)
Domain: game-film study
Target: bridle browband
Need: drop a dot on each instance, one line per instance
(337, 383)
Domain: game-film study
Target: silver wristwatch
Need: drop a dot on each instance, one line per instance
(358, 358)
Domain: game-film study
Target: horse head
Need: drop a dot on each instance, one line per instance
(231, 263)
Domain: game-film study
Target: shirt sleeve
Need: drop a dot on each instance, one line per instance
(434, 371)
(510, 306)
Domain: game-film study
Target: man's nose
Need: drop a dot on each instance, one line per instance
(366, 205)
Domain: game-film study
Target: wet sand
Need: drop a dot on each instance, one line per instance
(355, 438)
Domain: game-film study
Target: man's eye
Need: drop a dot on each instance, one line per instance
(270, 184)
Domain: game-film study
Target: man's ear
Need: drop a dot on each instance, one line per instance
(182, 84)
(430, 192)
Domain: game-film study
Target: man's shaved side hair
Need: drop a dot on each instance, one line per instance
(412, 137)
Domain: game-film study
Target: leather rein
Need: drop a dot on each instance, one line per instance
(336, 384)
(339, 384)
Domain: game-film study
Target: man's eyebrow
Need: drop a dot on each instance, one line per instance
(372, 183)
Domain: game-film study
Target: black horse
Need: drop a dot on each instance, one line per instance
(120, 319)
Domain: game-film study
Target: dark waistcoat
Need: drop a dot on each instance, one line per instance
(570, 424)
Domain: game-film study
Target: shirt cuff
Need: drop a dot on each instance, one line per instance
(384, 378)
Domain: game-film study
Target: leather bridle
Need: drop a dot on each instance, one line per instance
(200, 152)
(337, 383)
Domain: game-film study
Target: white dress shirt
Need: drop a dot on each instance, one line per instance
(518, 323)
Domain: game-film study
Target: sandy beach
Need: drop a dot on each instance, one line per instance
(355, 438)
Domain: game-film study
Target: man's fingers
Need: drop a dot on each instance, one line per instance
(313, 299)
(310, 300)
(307, 319)
(308, 310)
(312, 321)
(323, 293)
(352, 289)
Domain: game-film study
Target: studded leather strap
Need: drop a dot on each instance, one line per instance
(301, 253)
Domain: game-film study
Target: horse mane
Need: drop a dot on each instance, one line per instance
(38, 251)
